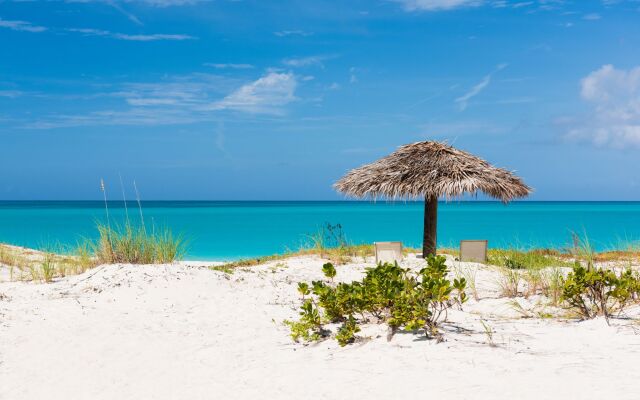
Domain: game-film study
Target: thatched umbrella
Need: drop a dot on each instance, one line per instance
(430, 170)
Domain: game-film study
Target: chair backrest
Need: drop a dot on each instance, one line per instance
(388, 252)
(473, 250)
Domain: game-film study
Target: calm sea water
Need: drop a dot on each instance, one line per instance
(219, 230)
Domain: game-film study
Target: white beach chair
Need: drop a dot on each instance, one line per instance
(473, 250)
(388, 252)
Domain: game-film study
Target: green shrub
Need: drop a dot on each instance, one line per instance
(401, 298)
(347, 332)
(309, 327)
(593, 291)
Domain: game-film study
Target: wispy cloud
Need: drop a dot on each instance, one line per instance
(172, 100)
(592, 17)
(446, 5)
(228, 66)
(154, 3)
(298, 62)
(21, 26)
(267, 95)
(131, 117)
(437, 5)
(131, 17)
(10, 93)
(353, 78)
(124, 36)
(295, 32)
(152, 37)
(179, 100)
(170, 3)
(615, 95)
(463, 101)
(29, 27)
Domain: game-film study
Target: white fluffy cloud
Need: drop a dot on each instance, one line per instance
(266, 95)
(436, 5)
(615, 96)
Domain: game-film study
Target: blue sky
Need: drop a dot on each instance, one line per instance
(272, 100)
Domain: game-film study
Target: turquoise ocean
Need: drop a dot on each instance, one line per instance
(226, 230)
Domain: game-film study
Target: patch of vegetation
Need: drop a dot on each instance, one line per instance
(488, 332)
(469, 275)
(44, 266)
(252, 262)
(509, 281)
(532, 259)
(223, 268)
(403, 299)
(593, 291)
(596, 291)
(134, 245)
(309, 327)
(331, 242)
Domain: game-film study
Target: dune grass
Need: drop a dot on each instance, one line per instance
(116, 243)
(526, 259)
(43, 265)
(134, 245)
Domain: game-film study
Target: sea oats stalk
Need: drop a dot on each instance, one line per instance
(124, 199)
(135, 187)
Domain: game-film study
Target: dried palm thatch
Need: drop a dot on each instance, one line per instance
(427, 169)
(430, 170)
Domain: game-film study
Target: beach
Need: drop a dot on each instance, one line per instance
(184, 330)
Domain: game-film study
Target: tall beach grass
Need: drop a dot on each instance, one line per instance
(134, 245)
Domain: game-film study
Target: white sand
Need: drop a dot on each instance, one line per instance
(186, 332)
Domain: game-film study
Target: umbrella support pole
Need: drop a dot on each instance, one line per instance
(430, 226)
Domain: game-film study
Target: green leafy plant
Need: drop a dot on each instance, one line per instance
(595, 291)
(469, 275)
(309, 327)
(303, 289)
(329, 270)
(347, 332)
(402, 298)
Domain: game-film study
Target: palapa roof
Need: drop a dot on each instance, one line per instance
(431, 169)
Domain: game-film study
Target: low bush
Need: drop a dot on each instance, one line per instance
(400, 297)
(592, 291)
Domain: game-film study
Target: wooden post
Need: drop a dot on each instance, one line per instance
(430, 226)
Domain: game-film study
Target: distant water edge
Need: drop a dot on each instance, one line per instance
(226, 230)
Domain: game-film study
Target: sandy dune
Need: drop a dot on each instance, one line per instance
(186, 332)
